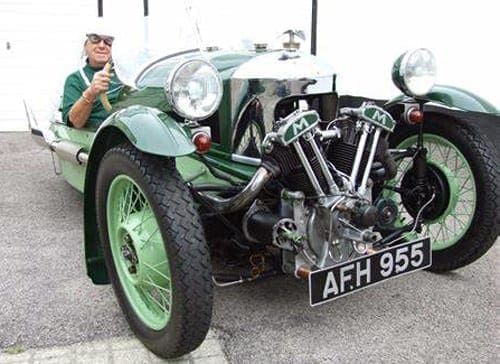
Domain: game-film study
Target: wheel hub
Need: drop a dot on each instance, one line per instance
(415, 196)
(129, 254)
(139, 250)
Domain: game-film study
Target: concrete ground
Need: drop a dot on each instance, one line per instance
(118, 350)
(47, 300)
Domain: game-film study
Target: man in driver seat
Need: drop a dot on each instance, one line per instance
(81, 104)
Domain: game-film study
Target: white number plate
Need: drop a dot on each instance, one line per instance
(340, 280)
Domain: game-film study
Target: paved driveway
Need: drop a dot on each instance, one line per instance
(47, 300)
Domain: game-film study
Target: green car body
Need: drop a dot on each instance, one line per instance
(147, 121)
(254, 156)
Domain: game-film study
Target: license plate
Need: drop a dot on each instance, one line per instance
(331, 283)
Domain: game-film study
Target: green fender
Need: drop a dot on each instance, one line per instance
(150, 131)
(451, 96)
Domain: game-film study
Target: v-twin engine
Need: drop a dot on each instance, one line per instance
(325, 213)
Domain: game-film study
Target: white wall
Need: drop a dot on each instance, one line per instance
(363, 38)
(360, 38)
(45, 40)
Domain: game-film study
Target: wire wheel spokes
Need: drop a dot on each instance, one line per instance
(132, 200)
(444, 156)
(159, 297)
(134, 229)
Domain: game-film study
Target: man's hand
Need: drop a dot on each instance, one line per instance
(100, 83)
(81, 110)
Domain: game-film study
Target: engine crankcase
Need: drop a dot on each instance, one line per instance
(326, 244)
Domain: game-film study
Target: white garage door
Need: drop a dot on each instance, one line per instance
(39, 45)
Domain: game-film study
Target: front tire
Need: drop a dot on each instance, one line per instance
(463, 221)
(155, 250)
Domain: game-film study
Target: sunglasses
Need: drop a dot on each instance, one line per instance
(96, 38)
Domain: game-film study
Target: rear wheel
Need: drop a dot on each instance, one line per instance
(461, 184)
(155, 250)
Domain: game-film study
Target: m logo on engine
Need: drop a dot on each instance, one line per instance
(296, 124)
(378, 116)
(299, 126)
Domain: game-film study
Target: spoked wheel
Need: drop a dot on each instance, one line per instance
(460, 214)
(155, 250)
(138, 252)
(450, 190)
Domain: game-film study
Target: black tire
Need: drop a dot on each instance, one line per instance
(184, 242)
(482, 157)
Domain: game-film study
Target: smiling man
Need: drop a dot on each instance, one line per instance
(81, 106)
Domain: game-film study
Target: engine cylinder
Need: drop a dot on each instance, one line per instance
(293, 175)
(342, 152)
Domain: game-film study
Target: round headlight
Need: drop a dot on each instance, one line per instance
(194, 89)
(414, 72)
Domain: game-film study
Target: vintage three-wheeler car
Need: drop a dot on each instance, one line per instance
(253, 153)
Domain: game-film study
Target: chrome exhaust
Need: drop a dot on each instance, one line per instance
(69, 151)
(242, 199)
(46, 139)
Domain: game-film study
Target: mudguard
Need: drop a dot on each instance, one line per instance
(150, 131)
(453, 97)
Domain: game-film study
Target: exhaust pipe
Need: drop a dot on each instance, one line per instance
(242, 199)
(69, 151)
(46, 139)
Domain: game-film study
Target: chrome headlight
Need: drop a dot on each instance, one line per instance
(414, 72)
(194, 89)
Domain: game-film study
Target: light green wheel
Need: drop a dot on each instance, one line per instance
(155, 250)
(139, 252)
(454, 186)
(461, 179)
